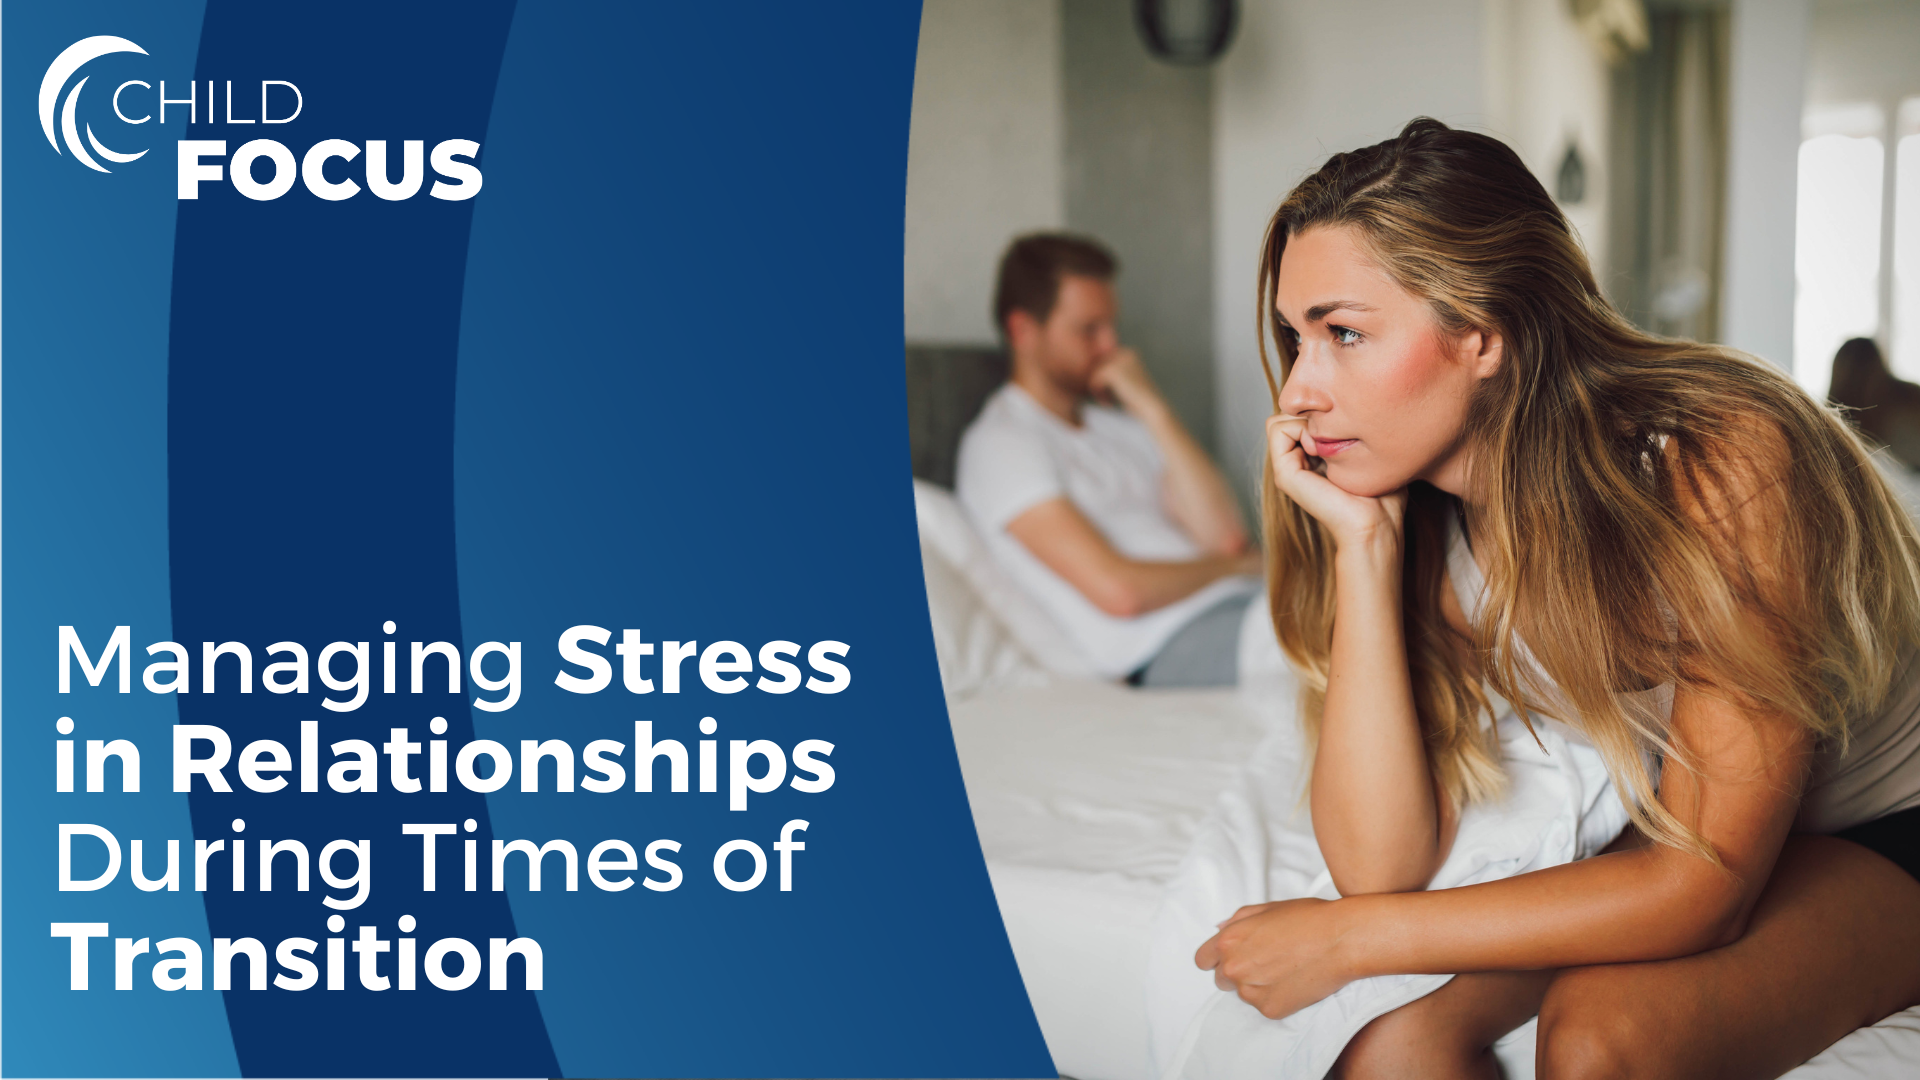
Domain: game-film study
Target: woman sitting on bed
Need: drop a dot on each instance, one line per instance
(1624, 513)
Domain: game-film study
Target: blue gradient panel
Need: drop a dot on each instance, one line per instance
(310, 459)
(649, 378)
(682, 410)
(88, 264)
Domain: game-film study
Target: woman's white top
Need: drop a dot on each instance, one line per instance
(1878, 774)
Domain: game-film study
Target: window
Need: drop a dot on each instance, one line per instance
(1837, 237)
(1906, 244)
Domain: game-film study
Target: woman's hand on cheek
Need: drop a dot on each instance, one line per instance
(1280, 957)
(1350, 518)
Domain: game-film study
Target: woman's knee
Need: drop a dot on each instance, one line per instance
(1585, 1033)
(1410, 1041)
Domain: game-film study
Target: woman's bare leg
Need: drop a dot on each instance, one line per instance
(1449, 1033)
(1833, 945)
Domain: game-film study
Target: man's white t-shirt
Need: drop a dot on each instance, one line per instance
(1017, 454)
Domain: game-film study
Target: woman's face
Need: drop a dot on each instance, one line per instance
(1383, 390)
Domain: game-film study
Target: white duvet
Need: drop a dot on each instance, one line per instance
(1087, 796)
(1119, 825)
(1258, 846)
(1095, 802)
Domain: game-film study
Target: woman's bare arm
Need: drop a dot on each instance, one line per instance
(1648, 903)
(1741, 798)
(1740, 795)
(1380, 820)
(1652, 902)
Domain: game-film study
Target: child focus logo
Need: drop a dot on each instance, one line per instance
(64, 67)
(259, 169)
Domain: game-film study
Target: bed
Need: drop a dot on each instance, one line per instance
(1088, 795)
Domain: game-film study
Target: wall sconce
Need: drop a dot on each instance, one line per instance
(1570, 187)
(1189, 32)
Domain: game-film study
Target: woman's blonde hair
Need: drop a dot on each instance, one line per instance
(1617, 479)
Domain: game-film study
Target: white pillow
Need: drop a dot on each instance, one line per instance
(945, 531)
(1268, 683)
(976, 653)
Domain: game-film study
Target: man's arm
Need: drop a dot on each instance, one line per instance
(1062, 538)
(1196, 495)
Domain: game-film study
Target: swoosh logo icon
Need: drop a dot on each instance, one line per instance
(71, 60)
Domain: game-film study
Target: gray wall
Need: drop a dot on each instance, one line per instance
(1764, 103)
(1043, 114)
(1307, 78)
(1546, 85)
(1139, 150)
(983, 156)
(1863, 50)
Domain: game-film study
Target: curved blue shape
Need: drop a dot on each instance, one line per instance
(310, 415)
(88, 264)
(682, 409)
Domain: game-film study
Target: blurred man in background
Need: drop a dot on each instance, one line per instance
(1884, 408)
(1105, 510)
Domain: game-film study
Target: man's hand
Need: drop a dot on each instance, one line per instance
(1124, 380)
(1193, 492)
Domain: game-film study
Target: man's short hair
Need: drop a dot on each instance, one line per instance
(1031, 270)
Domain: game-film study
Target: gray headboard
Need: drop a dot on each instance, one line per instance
(946, 385)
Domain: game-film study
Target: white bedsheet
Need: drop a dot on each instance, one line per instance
(1258, 846)
(1088, 796)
